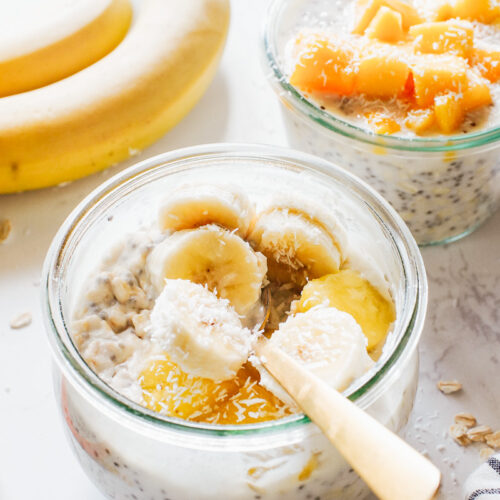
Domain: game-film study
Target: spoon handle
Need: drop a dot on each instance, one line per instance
(391, 468)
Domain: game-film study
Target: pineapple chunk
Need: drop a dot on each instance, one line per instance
(351, 293)
(325, 65)
(488, 63)
(435, 74)
(442, 11)
(478, 92)
(420, 120)
(172, 392)
(252, 403)
(449, 111)
(387, 26)
(445, 37)
(169, 390)
(475, 10)
(382, 72)
(367, 9)
(382, 124)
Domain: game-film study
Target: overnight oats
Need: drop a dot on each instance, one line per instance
(161, 282)
(404, 95)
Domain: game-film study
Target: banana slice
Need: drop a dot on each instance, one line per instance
(200, 332)
(194, 206)
(212, 256)
(328, 342)
(297, 247)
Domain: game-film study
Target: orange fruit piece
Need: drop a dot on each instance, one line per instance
(386, 26)
(325, 64)
(449, 111)
(445, 37)
(367, 9)
(478, 92)
(488, 63)
(348, 291)
(435, 74)
(381, 123)
(382, 71)
(420, 120)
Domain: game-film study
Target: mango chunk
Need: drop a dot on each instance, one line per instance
(386, 26)
(478, 92)
(475, 10)
(436, 74)
(169, 390)
(367, 9)
(488, 63)
(420, 120)
(348, 291)
(449, 111)
(325, 65)
(445, 37)
(382, 72)
(380, 123)
(442, 11)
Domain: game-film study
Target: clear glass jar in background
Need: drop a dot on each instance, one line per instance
(131, 452)
(443, 187)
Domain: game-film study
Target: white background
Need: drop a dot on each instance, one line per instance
(461, 339)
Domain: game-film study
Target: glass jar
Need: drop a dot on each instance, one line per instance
(134, 453)
(444, 187)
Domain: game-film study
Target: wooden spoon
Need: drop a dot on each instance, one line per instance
(390, 467)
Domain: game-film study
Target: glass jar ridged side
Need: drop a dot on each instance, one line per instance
(443, 187)
(131, 452)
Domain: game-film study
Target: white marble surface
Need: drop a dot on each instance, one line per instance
(461, 339)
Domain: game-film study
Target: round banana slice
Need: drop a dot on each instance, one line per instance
(195, 206)
(328, 342)
(200, 332)
(297, 247)
(212, 256)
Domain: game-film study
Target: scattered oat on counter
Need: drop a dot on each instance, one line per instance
(465, 432)
(466, 419)
(459, 433)
(478, 434)
(5, 229)
(21, 321)
(493, 440)
(449, 386)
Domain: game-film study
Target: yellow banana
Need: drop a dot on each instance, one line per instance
(123, 102)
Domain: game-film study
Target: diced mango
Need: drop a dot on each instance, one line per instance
(420, 120)
(487, 62)
(445, 37)
(381, 123)
(449, 111)
(475, 10)
(252, 404)
(167, 389)
(348, 291)
(325, 65)
(382, 72)
(478, 92)
(367, 9)
(435, 74)
(386, 26)
(442, 11)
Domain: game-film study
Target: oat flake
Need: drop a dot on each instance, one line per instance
(21, 321)
(5, 229)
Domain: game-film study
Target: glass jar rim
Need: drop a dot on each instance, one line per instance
(72, 363)
(309, 110)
